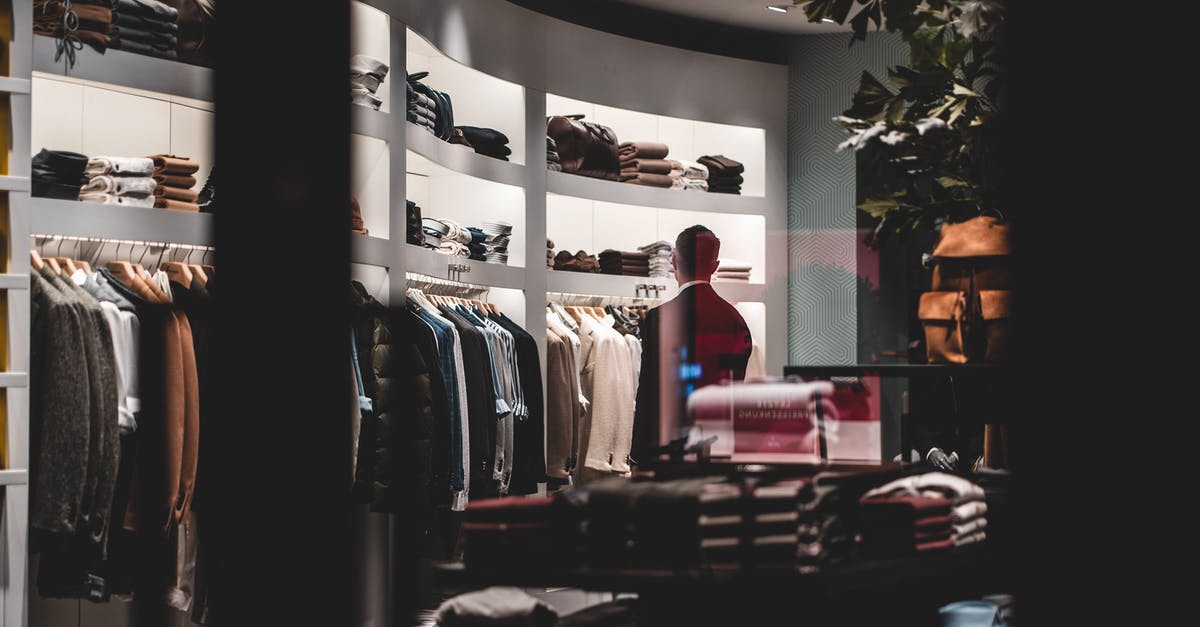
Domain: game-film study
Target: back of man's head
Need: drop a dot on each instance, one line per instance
(696, 252)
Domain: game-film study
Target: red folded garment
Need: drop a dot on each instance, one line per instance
(906, 506)
(928, 523)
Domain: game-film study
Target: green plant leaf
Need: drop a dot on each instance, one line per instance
(895, 111)
(879, 207)
(902, 15)
(962, 90)
(950, 181)
(956, 111)
(871, 99)
(836, 10)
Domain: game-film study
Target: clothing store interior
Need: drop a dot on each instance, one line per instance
(773, 371)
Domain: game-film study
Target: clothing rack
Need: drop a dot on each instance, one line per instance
(445, 287)
(92, 248)
(597, 300)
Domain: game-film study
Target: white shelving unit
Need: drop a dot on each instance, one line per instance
(87, 219)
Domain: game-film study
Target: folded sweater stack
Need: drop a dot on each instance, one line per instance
(58, 174)
(119, 181)
(906, 523)
(624, 263)
(644, 163)
(422, 111)
(357, 226)
(968, 507)
(724, 174)
(549, 253)
(146, 27)
(94, 18)
(732, 270)
(366, 75)
(688, 175)
(486, 141)
(579, 262)
(660, 263)
(174, 178)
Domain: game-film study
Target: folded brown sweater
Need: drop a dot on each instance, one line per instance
(176, 193)
(177, 205)
(644, 178)
(719, 165)
(643, 150)
(653, 166)
(170, 164)
(176, 180)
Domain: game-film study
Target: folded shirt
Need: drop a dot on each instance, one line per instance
(554, 166)
(643, 178)
(121, 185)
(133, 20)
(170, 164)
(931, 484)
(726, 180)
(733, 265)
(176, 205)
(147, 8)
(176, 180)
(105, 198)
(653, 166)
(369, 82)
(151, 37)
(657, 246)
(123, 166)
(969, 527)
(642, 150)
(720, 165)
(361, 96)
(421, 100)
(968, 510)
(483, 136)
(366, 64)
(972, 538)
(685, 183)
(176, 193)
(693, 169)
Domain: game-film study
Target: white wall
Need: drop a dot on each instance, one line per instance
(369, 170)
(101, 119)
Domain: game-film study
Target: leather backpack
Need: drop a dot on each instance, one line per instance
(585, 148)
(966, 315)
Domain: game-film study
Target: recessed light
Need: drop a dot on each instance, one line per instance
(828, 20)
(778, 8)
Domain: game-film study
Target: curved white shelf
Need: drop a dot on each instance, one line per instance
(591, 283)
(17, 476)
(88, 219)
(462, 159)
(371, 251)
(129, 69)
(14, 183)
(425, 261)
(628, 194)
(14, 281)
(370, 122)
(14, 85)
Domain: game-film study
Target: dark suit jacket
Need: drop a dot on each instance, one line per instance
(529, 460)
(481, 405)
(692, 340)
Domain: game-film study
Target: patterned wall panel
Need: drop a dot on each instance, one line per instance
(823, 75)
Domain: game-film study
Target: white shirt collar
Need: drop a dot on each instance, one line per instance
(691, 283)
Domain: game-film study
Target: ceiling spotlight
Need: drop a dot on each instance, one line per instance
(828, 20)
(779, 8)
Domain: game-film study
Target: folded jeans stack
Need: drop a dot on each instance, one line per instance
(146, 27)
(552, 159)
(486, 141)
(549, 253)
(175, 177)
(94, 18)
(724, 174)
(688, 175)
(357, 226)
(644, 163)
(421, 110)
(579, 262)
(624, 263)
(968, 514)
(497, 235)
(659, 253)
(906, 523)
(412, 224)
(366, 75)
(58, 174)
(732, 270)
(119, 181)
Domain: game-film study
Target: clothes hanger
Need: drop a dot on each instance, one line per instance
(123, 271)
(61, 261)
(35, 260)
(197, 269)
(177, 271)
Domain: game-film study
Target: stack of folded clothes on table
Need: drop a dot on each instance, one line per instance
(421, 109)
(828, 516)
(724, 174)
(366, 74)
(624, 263)
(552, 159)
(175, 177)
(549, 253)
(58, 174)
(644, 163)
(659, 254)
(497, 235)
(356, 220)
(732, 270)
(120, 181)
(146, 27)
(94, 18)
(412, 224)
(502, 532)
(486, 141)
(905, 523)
(579, 262)
(968, 505)
(688, 175)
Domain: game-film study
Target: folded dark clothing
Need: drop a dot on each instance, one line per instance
(720, 164)
(51, 189)
(143, 22)
(642, 150)
(146, 49)
(892, 525)
(483, 136)
(147, 8)
(623, 264)
(643, 178)
(908, 547)
(53, 176)
(552, 157)
(720, 180)
(129, 33)
(627, 256)
(653, 166)
(609, 253)
(551, 145)
(499, 152)
(907, 537)
(63, 162)
(737, 191)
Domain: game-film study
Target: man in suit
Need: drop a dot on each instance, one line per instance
(694, 339)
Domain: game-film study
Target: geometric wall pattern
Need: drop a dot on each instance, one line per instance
(823, 74)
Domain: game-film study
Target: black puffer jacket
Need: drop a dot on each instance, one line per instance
(394, 468)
